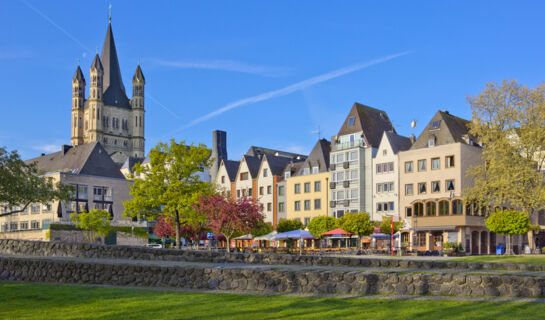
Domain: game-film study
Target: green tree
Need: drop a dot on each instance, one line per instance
(22, 184)
(386, 225)
(95, 222)
(285, 225)
(170, 185)
(261, 229)
(359, 224)
(321, 224)
(508, 119)
(508, 222)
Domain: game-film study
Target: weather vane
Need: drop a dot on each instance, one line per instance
(110, 13)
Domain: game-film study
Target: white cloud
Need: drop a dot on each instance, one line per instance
(225, 65)
(294, 87)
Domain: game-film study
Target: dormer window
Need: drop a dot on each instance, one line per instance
(351, 121)
(431, 142)
(315, 170)
(287, 174)
(435, 125)
(306, 171)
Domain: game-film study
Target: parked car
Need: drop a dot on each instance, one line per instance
(154, 245)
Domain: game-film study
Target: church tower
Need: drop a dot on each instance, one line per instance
(108, 116)
(137, 103)
(78, 99)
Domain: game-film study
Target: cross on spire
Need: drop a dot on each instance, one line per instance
(110, 13)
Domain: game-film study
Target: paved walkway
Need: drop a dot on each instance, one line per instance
(264, 267)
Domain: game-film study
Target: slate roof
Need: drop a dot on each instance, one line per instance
(319, 156)
(277, 164)
(138, 75)
(78, 76)
(253, 164)
(452, 129)
(373, 122)
(256, 151)
(87, 159)
(97, 64)
(231, 167)
(114, 90)
(397, 142)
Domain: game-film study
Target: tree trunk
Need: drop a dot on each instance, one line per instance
(228, 246)
(178, 239)
(359, 242)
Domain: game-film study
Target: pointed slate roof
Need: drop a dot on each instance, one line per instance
(138, 75)
(277, 164)
(78, 76)
(87, 159)
(397, 142)
(445, 129)
(97, 64)
(257, 151)
(319, 156)
(373, 122)
(253, 164)
(114, 90)
(231, 167)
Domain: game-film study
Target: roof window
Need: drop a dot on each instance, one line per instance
(351, 121)
(435, 125)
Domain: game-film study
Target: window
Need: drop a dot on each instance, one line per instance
(280, 206)
(307, 221)
(430, 208)
(287, 174)
(222, 179)
(317, 204)
(435, 125)
(418, 209)
(409, 166)
(420, 239)
(238, 193)
(379, 187)
(379, 168)
(353, 156)
(384, 152)
(280, 190)
(457, 207)
(260, 191)
(340, 157)
(435, 186)
(390, 186)
(408, 212)
(390, 166)
(35, 208)
(354, 194)
(307, 187)
(265, 172)
(269, 189)
(297, 188)
(351, 121)
(4, 227)
(269, 206)
(315, 170)
(421, 188)
(244, 176)
(435, 163)
(449, 161)
(449, 185)
(391, 206)
(13, 226)
(317, 186)
(46, 223)
(306, 171)
(422, 165)
(23, 225)
(297, 205)
(307, 205)
(250, 192)
(340, 195)
(431, 142)
(443, 208)
(409, 189)
(379, 207)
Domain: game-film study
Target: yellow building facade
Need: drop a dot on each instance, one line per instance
(307, 196)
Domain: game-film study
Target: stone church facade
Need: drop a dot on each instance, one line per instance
(107, 115)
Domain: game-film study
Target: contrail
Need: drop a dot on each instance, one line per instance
(164, 107)
(294, 87)
(56, 25)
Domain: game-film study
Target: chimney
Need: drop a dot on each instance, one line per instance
(43, 154)
(412, 138)
(65, 148)
(219, 151)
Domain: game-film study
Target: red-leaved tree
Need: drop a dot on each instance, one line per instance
(229, 216)
(164, 228)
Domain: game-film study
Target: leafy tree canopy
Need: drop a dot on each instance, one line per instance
(262, 229)
(170, 185)
(285, 225)
(96, 222)
(21, 184)
(508, 222)
(321, 224)
(359, 224)
(386, 225)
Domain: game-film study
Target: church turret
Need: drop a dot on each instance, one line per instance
(93, 112)
(138, 112)
(78, 100)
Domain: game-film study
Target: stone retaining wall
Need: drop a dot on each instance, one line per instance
(266, 280)
(37, 248)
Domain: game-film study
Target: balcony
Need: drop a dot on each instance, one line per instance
(332, 185)
(348, 145)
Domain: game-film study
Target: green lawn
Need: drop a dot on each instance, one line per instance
(31, 301)
(522, 259)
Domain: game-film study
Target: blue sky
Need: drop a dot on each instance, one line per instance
(199, 57)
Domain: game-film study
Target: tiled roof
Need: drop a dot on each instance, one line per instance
(444, 128)
(373, 122)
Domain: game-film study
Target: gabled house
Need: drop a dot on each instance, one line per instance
(226, 177)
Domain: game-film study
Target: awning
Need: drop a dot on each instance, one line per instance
(267, 237)
(445, 228)
(383, 236)
(337, 233)
(295, 234)
(245, 237)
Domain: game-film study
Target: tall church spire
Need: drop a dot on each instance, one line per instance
(114, 90)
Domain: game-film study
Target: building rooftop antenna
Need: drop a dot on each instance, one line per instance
(317, 132)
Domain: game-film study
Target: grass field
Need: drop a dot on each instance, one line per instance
(32, 301)
(522, 259)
